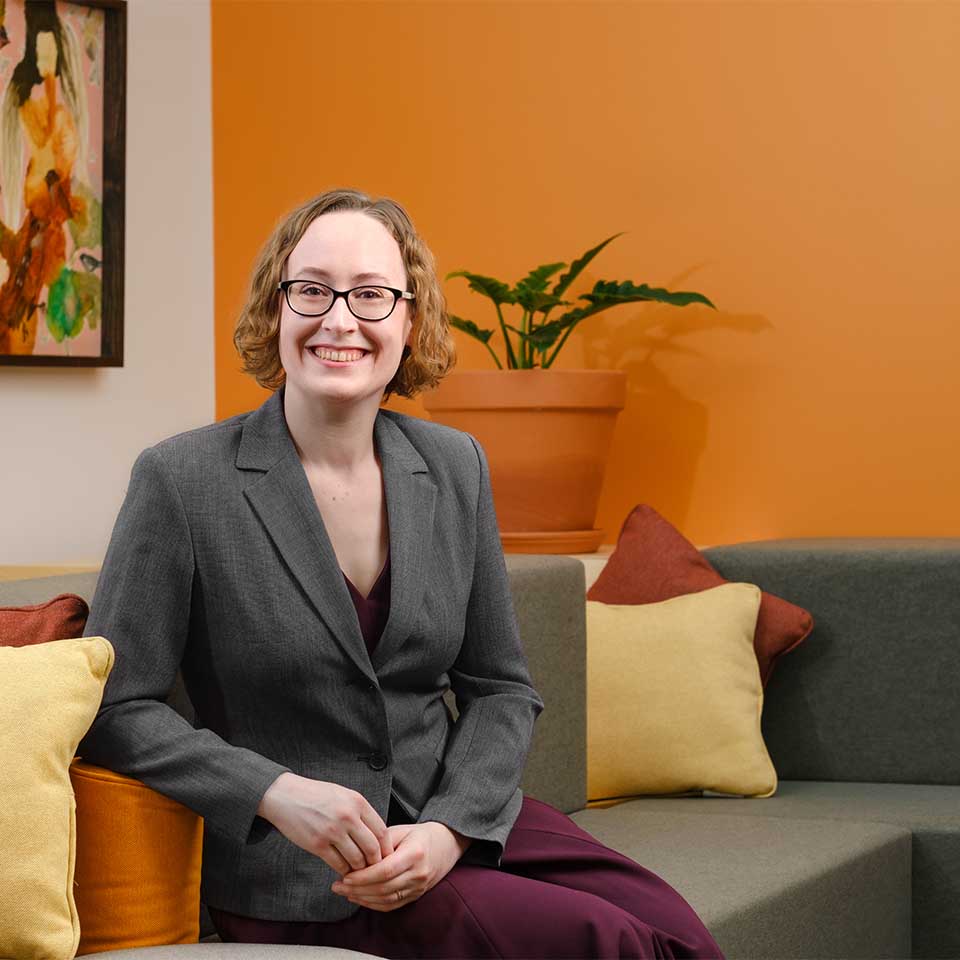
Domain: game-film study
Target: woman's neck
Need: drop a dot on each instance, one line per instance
(329, 439)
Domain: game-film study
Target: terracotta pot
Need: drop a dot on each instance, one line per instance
(547, 436)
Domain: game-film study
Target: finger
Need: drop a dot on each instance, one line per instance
(385, 903)
(361, 845)
(405, 881)
(349, 852)
(374, 840)
(396, 864)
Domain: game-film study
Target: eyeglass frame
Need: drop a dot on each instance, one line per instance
(284, 287)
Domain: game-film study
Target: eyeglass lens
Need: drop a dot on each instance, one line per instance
(371, 303)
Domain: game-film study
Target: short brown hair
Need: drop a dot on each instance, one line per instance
(257, 330)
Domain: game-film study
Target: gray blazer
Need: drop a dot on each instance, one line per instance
(220, 565)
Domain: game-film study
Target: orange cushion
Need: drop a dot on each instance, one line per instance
(137, 875)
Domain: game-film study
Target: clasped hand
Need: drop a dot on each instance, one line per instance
(423, 854)
(375, 861)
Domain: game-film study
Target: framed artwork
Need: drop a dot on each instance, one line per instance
(63, 72)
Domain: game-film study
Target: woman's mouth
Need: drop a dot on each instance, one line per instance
(337, 358)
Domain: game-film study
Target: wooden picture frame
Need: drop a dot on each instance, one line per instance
(23, 297)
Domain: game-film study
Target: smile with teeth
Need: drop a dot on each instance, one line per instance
(347, 356)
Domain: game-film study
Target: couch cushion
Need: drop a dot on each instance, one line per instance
(138, 863)
(772, 887)
(930, 812)
(229, 951)
(40, 589)
(49, 695)
(674, 696)
(654, 561)
(60, 618)
(871, 694)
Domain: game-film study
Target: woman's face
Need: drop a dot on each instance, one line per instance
(333, 250)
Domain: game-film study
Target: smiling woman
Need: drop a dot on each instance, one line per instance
(361, 547)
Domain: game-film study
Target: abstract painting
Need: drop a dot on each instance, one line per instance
(62, 117)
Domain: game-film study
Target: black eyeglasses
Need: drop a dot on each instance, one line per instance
(312, 299)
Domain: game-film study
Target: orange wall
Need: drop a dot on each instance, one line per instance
(796, 162)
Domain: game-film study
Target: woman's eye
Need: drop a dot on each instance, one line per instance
(374, 293)
(312, 291)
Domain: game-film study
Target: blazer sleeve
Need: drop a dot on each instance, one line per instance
(496, 702)
(142, 605)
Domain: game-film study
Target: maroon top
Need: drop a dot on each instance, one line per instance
(372, 610)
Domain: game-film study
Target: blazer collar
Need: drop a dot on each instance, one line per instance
(280, 495)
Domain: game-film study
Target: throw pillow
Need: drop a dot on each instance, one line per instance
(674, 697)
(653, 561)
(49, 696)
(62, 618)
(137, 877)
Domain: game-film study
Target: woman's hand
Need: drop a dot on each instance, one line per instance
(332, 822)
(424, 854)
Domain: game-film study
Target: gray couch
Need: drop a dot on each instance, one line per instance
(857, 854)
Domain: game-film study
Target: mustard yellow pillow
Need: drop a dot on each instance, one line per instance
(49, 696)
(674, 697)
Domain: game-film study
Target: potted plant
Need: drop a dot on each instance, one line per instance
(546, 432)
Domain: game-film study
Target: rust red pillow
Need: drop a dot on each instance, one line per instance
(62, 618)
(653, 561)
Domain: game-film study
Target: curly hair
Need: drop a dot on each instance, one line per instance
(257, 331)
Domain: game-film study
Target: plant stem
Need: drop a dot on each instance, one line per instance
(496, 359)
(566, 333)
(511, 359)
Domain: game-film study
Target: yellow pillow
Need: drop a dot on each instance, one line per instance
(674, 697)
(49, 696)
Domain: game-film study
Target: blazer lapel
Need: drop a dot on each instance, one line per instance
(411, 495)
(282, 499)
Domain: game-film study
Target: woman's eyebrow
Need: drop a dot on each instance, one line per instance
(317, 272)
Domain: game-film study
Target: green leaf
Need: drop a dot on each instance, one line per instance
(577, 266)
(545, 336)
(610, 293)
(468, 326)
(497, 291)
(535, 301)
(530, 290)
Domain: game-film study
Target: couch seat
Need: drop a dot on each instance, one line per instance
(931, 812)
(772, 887)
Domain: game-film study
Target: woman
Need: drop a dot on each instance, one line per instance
(322, 570)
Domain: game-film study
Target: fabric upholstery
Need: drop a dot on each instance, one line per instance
(871, 695)
(674, 696)
(138, 863)
(772, 888)
(49, 695)
(653, 561)
(60, 618)
(235, 951)
(40, 589)
(931, 812)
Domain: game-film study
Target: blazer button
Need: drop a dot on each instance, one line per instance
(376, 761)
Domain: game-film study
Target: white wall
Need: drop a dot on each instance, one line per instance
(68, 437)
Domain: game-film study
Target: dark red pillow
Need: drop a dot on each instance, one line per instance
(653, 561)
(62, 618)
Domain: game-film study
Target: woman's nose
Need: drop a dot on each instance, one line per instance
(339, 316)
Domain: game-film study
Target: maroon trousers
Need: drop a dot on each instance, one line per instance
(559, 893)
